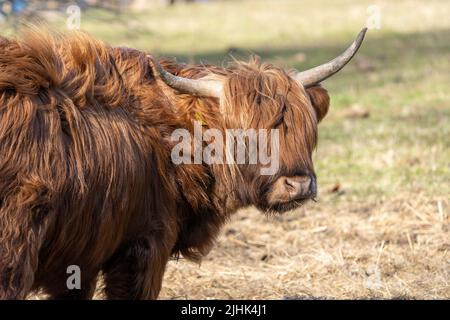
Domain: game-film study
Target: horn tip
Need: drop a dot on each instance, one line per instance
(360, 38)
(362, 33)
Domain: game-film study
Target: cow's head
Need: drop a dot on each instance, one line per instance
(259, 96)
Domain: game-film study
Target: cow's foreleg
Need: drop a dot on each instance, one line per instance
(24, 219)
(136, 271)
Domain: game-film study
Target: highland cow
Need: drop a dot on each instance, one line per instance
(86, 176)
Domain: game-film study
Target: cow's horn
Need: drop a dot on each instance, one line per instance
(200, 87)
(318, 74)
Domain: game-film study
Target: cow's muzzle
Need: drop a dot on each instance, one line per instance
(293, 189)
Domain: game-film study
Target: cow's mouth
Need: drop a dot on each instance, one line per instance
(282, 207)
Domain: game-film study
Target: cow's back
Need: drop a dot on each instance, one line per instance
(74, 146)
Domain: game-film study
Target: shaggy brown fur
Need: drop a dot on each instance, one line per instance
(85, 171)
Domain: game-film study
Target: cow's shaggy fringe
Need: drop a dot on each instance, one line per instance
(85, 170)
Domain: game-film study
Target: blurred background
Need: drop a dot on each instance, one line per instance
(381, 227)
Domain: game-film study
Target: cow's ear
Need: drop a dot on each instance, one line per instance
(320, 101)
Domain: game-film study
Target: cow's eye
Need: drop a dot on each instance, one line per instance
(279, 118)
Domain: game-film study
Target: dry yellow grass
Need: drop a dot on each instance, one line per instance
(394, 247)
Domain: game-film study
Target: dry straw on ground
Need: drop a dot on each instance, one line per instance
(384, 248)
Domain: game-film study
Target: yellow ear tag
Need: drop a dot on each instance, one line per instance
(200, 119)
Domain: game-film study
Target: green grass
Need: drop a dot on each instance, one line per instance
(404, 145)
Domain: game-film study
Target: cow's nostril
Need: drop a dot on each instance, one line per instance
(291, 184)
(298, 187)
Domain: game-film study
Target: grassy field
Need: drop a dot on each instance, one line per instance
(381, 227)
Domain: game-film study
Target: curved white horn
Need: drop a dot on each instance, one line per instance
(317, 74)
